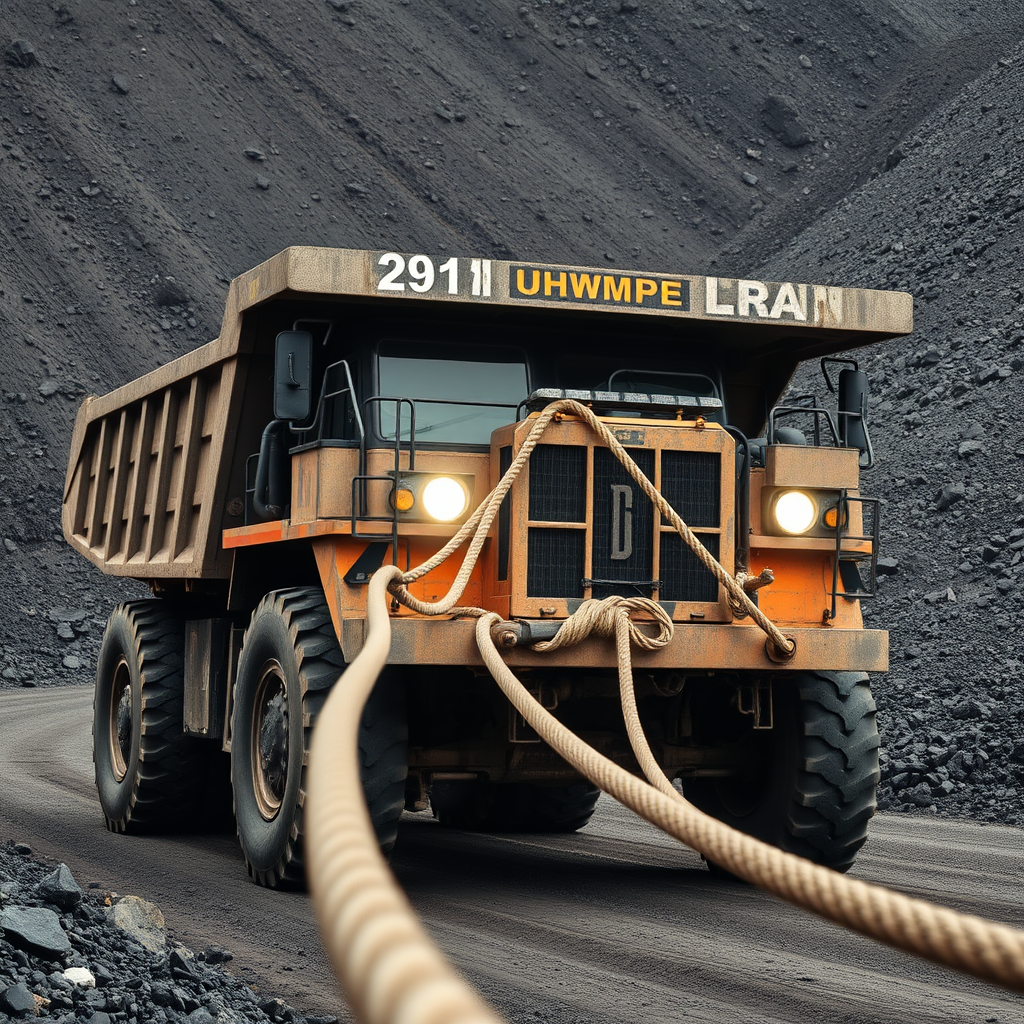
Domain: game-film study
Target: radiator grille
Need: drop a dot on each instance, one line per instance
(558, 473)
(555, 566)
(683, 576)
(689, 481)
(629, 554)
(623, 527)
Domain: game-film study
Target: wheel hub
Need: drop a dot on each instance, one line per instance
(270, 740)
(120, 731)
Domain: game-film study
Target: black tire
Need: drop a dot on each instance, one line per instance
(813, 791)
(480, 806)
(149, 775)
(289, 661)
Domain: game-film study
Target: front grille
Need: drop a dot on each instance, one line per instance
(623, 549)
(613, 542)
(683, 576)
(556, 472)
(555, 563)
(689, 482)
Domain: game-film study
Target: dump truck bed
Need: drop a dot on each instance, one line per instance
(156, 464)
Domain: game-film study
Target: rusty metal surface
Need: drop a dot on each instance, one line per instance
(322, 482)
(787, 465)
(744, 304)
(145, 480)
(420, 641)
(509, 595)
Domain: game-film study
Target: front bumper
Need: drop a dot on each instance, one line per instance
(736, 647)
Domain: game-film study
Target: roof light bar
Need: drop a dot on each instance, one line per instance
(621, 400)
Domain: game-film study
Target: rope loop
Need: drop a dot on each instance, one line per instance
(599, 617)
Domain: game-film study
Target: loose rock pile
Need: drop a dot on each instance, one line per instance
(946, 222)
(91, 957)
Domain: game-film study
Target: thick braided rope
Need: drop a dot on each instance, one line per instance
(479, 524)
(987, 950)
(605, 618)
(990, 951)
(784, 646)
(389, 968)
(627, 695)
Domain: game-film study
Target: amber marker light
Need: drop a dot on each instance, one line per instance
(402, 499)
(832, 517)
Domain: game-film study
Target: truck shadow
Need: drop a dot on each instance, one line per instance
(430, 859)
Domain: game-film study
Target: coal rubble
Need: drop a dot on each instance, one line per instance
(90, 957)
(947, 421)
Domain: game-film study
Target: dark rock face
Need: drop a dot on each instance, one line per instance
(949, 440)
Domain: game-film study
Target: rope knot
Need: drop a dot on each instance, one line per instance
(601, 618)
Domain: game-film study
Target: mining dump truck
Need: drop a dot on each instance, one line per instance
(354, 411)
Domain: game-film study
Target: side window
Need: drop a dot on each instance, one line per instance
(340, 401)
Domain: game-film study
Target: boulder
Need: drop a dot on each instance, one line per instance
(142, 921)
(18, 1001)
(35, 928)
(782, 117)
(60, 888)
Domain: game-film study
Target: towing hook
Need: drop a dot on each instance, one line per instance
(777, 654)
(504, 635)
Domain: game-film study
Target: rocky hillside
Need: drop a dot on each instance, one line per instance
(150, 150)
(945, 220)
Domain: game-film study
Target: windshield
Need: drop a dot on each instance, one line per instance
(662, 382)
(665, 382)
(460, 398)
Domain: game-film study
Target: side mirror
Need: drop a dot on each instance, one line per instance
(853, 405)
(293, 375)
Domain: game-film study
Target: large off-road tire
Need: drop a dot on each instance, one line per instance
(289, 661)
(513, 807)
(149, 775)
(813, 791)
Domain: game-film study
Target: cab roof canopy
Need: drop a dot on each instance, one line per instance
(756, 331)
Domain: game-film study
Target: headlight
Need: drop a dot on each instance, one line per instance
(444, 498)
(795, 511)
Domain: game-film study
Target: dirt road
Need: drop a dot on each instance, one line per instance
(616, 924)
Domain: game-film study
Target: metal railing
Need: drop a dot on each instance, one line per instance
(853, 583)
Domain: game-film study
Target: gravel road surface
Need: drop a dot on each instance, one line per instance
(614, 924)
